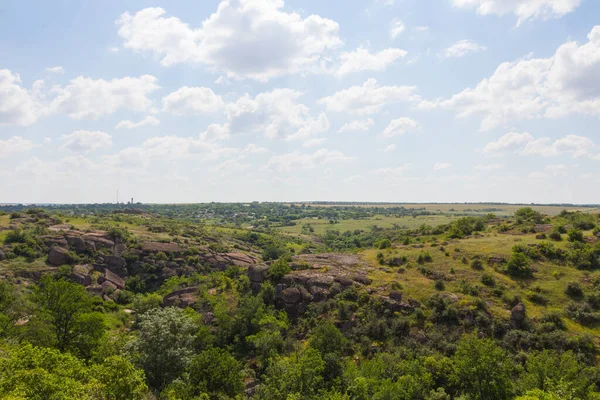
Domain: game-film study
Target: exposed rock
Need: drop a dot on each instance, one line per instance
(181, 298)
(241, 259)
(82, 279)
(396, 295)
(62, 227)
(119, 249)
(155, 247)
(54, 241)
(99, 238)
(77, 243)
(95, 289)
(108, 286)
(517, 315)
(58, 256)
(115, 262)
(543, 228)
(414, 303)
(257, 274)
(2, 255)
(112, 277)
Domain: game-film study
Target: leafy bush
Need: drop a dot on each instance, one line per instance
(519, 265)
(575, 235)
(574, 290)
(476, 264)
(488, 280)
(278, 270)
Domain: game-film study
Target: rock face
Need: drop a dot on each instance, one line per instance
(58, 256)
(115, 279)
(77, 243)
(321, 277)
(155, 247)
(181, 298)
(257, 274)
(117, 265)
(517, 315)
(396, 295)
(2, 255)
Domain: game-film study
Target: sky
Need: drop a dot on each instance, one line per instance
(299, 100)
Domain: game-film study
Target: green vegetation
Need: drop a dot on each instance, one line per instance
(299, 301)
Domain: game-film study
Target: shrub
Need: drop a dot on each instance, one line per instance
(384, 244)
(574, 290)
(278, 270)
(439, 285)
(476, 264)
(518, 265)
(488, 280)
(424, 257)
(555, 235)
(575, 235)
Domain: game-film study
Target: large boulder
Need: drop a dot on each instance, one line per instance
(258, 274)
(181, 298)
(58, 256)
(115, 262)
(114, 278)
(517, 315)
(2, 255)
(77, 243)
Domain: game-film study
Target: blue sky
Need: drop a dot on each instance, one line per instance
(240, 100)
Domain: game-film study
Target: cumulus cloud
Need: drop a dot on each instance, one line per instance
(18, 106)
(389, 148)
(92, 98)
(193, 100)
(276, 114)
(86, 141)
(441, 165)
(462, 48)
(82, 97)
(244, 38)
(363, 60)
(566, 83)
(523, 9)
(370, 98)
(56, 70)
(392, 172)
(396, 28)
(297, 160)
(400, 126)
(357, 125)
(14, 145)
(525, 144)
(127, 124)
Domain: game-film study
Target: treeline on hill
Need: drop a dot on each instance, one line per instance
(60, 342)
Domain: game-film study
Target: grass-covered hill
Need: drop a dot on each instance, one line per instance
(299, 301)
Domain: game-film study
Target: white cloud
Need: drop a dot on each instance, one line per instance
(523, 9)
(276, 114)
(488, 167)
(400, 126)
(47, 140)
(389, 148)
(297, 160)
(215, 132)
(92, 98)
(243, 39)
(362, 60)
(18, 106)
(14, 145)
(230, 166)
(313, 142)
(525, 144)
(462, 48)
(370, 98)
(557, 169)
(393, 172)
(127, 124)
(193, 100)
(441, 165)
(56, 70)
(510, 141)
(357, 125)
(396, 28)
(86, 141)
(566, 83)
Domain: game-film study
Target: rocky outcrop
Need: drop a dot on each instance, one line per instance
(396, 295)
(155, 247)
(50, 241)
(113, 278)
(2, 255)
(321, 277)
(517, 315)
(258, 274)
(117, 265)
(181, 298)
(99, 238)
(58, 256)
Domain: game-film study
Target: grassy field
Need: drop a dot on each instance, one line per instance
(550, 280)
(498, 209)
(322, 225)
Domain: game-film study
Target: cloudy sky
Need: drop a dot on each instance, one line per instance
(239, 100)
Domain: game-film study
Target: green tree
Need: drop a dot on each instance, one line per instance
(482, 369)
(278, 270)
(327, 338)
(164, 344)
(64, 310)
(518, 265)
(216, 372)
